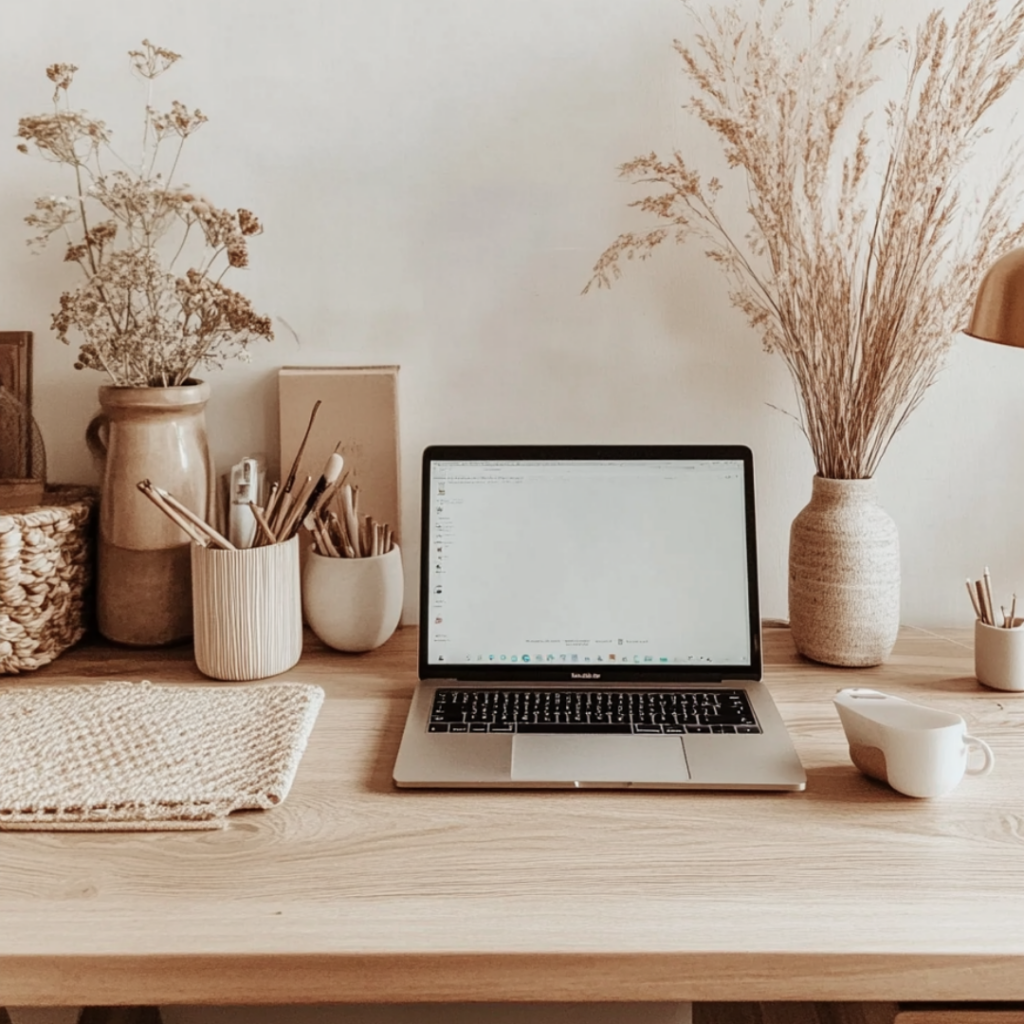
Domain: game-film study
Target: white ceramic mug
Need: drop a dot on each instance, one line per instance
(919, 751)
(353, 604)
(999, 655)
(247, 610)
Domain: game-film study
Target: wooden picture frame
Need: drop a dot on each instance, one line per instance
(17, 472)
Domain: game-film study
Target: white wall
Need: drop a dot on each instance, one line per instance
(436, 180)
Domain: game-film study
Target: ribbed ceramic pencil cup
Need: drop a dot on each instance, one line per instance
(353, 604)
(247, 609)
(999, 655)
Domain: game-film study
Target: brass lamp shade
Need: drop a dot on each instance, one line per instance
(999, 307)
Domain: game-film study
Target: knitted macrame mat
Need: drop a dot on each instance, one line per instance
(127, 756)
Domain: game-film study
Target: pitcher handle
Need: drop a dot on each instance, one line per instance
(96, 435)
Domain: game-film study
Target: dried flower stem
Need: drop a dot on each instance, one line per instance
(142, 323)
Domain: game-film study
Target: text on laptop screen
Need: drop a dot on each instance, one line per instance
(614, 562)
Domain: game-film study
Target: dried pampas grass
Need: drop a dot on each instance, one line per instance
(865, 246)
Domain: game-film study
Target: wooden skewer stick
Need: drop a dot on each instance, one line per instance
(349, 500)
(342, 532)
(295, 513)
(321, 535)
(268, 508)
(261, 519)
(281, 510)
(365, 537)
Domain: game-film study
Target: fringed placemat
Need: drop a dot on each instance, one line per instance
(130, 756)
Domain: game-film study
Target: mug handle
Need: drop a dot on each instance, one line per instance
(95, 435)
(990, 758)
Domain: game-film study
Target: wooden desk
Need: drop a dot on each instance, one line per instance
(353, 891)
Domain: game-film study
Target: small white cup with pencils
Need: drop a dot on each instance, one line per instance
(352, 584)
(998, 639)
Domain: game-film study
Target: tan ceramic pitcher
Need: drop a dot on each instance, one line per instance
(143, 577)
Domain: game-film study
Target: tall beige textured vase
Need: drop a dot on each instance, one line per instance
(844, 575)
(143, 575)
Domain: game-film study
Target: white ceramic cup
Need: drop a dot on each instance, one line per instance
(999, 655)
(919, 751)
(247, 610)
(353, 604)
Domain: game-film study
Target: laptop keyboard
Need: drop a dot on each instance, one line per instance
(672, 712)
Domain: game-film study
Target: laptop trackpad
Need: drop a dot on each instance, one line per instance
(544, 757)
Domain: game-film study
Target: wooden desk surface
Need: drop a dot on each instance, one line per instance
(354, 891)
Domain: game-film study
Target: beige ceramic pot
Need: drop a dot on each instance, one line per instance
(844, 575)
(143, 578)
(353, 604)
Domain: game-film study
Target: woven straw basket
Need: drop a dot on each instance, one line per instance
(46, 567)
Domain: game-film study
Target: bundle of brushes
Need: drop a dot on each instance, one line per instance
(340, 532)
(343, 533)
(287, 509)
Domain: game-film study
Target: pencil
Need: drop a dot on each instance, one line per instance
(204, 527)
(1013, 611)
(988, 598)
(180, 521)
(974, 598)
(980, 587)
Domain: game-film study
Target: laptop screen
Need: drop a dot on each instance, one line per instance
(589, 562)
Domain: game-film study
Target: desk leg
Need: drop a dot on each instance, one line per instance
(78, 1015)
(797, 1013)
(43, 1014)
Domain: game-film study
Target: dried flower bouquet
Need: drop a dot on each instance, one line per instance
(143, 321)
(864, 246)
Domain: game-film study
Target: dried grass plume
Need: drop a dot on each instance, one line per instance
(864, 247)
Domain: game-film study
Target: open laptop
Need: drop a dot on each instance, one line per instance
(589, 618)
